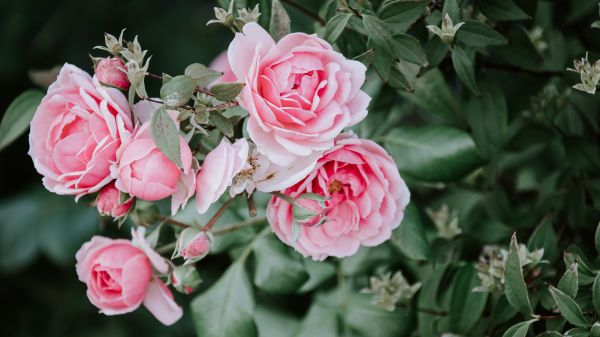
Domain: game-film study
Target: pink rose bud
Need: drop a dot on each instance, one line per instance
(108, 202)
(310, 209)
(193, 245)
(185, 279)
(112, 71)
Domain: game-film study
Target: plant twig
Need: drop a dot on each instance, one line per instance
(209, 225)
(236, 226)
(174, 222)
(305, 10)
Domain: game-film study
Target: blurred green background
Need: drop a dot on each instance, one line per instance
(39, 231)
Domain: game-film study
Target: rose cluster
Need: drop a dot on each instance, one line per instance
(332, 191)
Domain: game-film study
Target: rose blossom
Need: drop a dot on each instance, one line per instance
(143, 171)
(76, 132)
(119, 277)
(299, 92)
(111, 71)
(108, 202)
(221, 63)
(366, 201)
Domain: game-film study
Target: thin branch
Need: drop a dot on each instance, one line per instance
(251, 206)
(305, 10)
(234, 227)
(209, 225)
(174, 222)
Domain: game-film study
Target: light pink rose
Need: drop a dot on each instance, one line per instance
(299, 92)
(221, 63)
(367, 201)
(76, 132)
(108, 202)
(143, 171)
(218, 169)
(111, 71)
(193, 245)
(119, 278)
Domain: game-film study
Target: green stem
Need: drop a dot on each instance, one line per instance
(236, 226)
(249, 247)
(209, 225)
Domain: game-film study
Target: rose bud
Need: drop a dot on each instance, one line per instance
(185, 279)
(109, 203)
(193, 245)
(309, 209)
(111, 71)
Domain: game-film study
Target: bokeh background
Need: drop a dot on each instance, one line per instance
(39, 231)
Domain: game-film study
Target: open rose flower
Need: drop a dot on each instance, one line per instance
(143, 171)
(119, 277)
(76, 132)
(108, 202)
(299, 92)
(366, 201)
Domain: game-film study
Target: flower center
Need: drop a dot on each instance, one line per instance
(334, 187)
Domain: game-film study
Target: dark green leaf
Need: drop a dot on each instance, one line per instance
(596, 293)
(433, 153)
(466, 305)
(515, 288)
(226, 91)
(569, 282)
(276, 271)
(274, 322)
(452, 9)
(479, 35)
(320, 321)
(279, 26)
(18, 115)
(398, 81)
(577, 332)
(401, 14)
(369, 320)
(202, 75)
(380, 39)
(410, 237)
(166, 136)
(177, 91)
(433, 95)
(568, 308)
(227, 308)
(409, 48)
(335, 26)
(544, 237)
(519, 329)
(502, 10)
(597, 239)
(465, 69)
(519, 51)
(318, 272)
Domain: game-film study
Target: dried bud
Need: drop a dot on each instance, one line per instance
(589, 74)
(448, 30)
(245, 16)
(388, 290)
(109, 202)
(111, 71)
(446, 222)
(222, 16)
(113, 45)
(185, 279)
(193, 245)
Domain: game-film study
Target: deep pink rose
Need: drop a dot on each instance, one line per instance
(119, 277)
(219, 168)
(112, 71)
(143, 171)
(108, 202)
(76, 132)
(299, 92)
(367, 201)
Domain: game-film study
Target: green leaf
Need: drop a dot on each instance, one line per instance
(433, 153)
(502, 10)
(519, 329)
(274, 322)
(487, 115)
(369, 320)
(544, 237)
(577, 332)
(452, 9)
(166, 136)
(335, 26)
(410, 237)
(409, 48)
(318, 272)
(568, 308)
(279, 26)
(596, 293)
(597, 239)
(398, 81)
(226, 91)
(520, 51)
(177, 91)
(202, 75)
(515, 288)
(428, 297)
(401, 14)
(320, 321)
(466, 305)
(465, 69)
(433, 95)
(479, 35)
(569, 282)
(276, 271)
(18, 115)
(380, 39)
(227, 308)
(222, 123)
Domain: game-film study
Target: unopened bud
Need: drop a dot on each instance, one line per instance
(111, 71)
(193, 245)
(185, 279)
(109, 202)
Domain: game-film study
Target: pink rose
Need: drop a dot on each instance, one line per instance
(221, 63)
(108, 202)
(193, 245)
(112, 71)
(299, 92)
(119, 277)
(367, 198)
(218, 169)
(143, 171)
(76, 132)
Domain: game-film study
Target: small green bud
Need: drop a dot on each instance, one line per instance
(185, 279)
